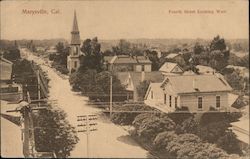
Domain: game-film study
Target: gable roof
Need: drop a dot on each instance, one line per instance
(168, 67)
(154, 76)
(125, 59)
(156, 87)
(172, 55)
(196, 83)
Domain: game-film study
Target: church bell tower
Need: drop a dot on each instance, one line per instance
(73, 61)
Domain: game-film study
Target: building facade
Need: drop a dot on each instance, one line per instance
(9, 90)
(192, 92)
(73, 61)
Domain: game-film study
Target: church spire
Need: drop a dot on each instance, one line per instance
(75, 36)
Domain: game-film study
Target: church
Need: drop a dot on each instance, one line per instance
(73, 60)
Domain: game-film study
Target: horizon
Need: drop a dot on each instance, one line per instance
(112, 20)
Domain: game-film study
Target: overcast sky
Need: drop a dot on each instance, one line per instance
(124, 19)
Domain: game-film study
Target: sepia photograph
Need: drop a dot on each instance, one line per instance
(162, 79)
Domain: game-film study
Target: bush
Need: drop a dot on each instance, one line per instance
(61, 68)
(149, 126)
(126, 118)
(190, 146)
(162, 139)
(212, 131)
(229, 143)
(187, 126)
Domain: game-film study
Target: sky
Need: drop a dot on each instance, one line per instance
(125, 19)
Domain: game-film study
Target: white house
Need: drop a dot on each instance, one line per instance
(169, 68)
(195, 92)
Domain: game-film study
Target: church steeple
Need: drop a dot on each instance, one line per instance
(75, 36)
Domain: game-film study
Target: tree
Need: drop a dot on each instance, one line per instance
(150, 127)
(55, 133)
(93, 58)
(12, 54)
(153, 57)
(97, 85)
(142, 89)
(218, 44)
(198, 49)
(123, 48)
(126, 118)
(60, 47)
(229, 143)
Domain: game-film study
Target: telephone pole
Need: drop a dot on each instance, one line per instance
(111, 93)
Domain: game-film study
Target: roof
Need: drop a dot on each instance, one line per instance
(154, 76)
(172, 55)
(108, 58)
(75, 36)
(204, 69)
(197, 83)
(156, 87)
(125, 59)
(168, 67)
(237, 67)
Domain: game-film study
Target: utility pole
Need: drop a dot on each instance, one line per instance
(87, 125)
(111, 93)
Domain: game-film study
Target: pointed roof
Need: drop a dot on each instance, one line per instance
(75, 36)
(75, 24)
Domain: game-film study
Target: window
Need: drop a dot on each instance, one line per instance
(76, 51)
(170, 101)
(75, 64)
(152, 95)
(199, 102)
(165, 99)
(142, 68)
(175, 102)
(217, 101)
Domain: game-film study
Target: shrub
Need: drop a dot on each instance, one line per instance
(162, 139)
(190, 146)
(229, 143)
(149, 127)
(178, 117)
(212, 131)
(187, 126)
(126, 118)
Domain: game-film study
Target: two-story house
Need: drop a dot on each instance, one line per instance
(194, 92)
(123, 63)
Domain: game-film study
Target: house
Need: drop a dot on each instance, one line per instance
(195, 92)
(124, 63)
(244, 72)
(169, 68)
(131, 80)
(9, 90)
(205, 69)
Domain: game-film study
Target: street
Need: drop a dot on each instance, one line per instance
(109, 140)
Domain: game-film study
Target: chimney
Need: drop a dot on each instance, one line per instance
(142, 76)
